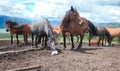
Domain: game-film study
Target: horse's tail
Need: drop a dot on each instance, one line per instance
(92, 28)
(108, 35)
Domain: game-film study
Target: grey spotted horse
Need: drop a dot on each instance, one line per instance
(40, 29)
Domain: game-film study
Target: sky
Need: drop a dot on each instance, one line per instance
(97, 11)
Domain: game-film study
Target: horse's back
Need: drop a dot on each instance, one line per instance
(37, 25)
(20, 26)
(113, 31)
(41, 26)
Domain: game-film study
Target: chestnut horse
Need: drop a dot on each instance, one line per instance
(115, 32)
(74, 24)
(57, 32)
(17, 29)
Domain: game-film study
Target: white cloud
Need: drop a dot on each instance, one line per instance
(94, 10)
(49, 8)
(4, 2)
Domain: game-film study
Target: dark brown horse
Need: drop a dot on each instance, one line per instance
(74, 24)
(17, 29)
(101, 32)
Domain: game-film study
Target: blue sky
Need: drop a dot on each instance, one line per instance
(97, 11)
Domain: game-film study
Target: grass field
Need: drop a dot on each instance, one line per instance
(6, 36)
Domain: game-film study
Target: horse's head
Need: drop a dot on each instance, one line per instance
(73, 15)
(9, 24)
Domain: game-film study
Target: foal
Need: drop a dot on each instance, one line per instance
(18, 29)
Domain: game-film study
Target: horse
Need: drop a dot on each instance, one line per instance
(18, 29)
(73, 23)
(57, 31)
(114, 32)
(101, 32)
(93, 41)
(42, 28)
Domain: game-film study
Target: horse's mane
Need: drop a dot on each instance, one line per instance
(51, 33)
(12, 23)
(92, 28)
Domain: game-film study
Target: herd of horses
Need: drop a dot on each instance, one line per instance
(72, 24)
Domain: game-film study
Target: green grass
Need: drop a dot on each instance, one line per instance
(6, 36)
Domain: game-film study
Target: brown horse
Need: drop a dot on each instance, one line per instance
(17, 29)
(101, 32)
(74, 24)
(57, 31)
(115, 32)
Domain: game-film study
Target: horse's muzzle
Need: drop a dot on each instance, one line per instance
(7, 30)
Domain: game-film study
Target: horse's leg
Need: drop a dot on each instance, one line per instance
(80, 44)
(25, 39)
(11, 39)
(32, 35)
(90, 37)
(36, 41)
(46, 41)
(102, 40)
(64, 38)
(77, 38)
(105, 40)
(17, 39)
(39, 40)
(43, 41)
(72, 41)
(98, 44)
(110, 41)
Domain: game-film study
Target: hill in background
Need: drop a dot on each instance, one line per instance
(53, 21)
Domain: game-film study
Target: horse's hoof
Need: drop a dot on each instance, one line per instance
(32, 46)
(98, 45)
(78, 48)
(42, 48)
(89, 44)
(64, 48)
(72, 48)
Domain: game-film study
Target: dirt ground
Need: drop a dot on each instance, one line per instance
(88, 58)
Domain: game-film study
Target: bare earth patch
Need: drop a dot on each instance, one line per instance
(88, 58)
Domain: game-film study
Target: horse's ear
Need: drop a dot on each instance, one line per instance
(6, 20)
(72, 9)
